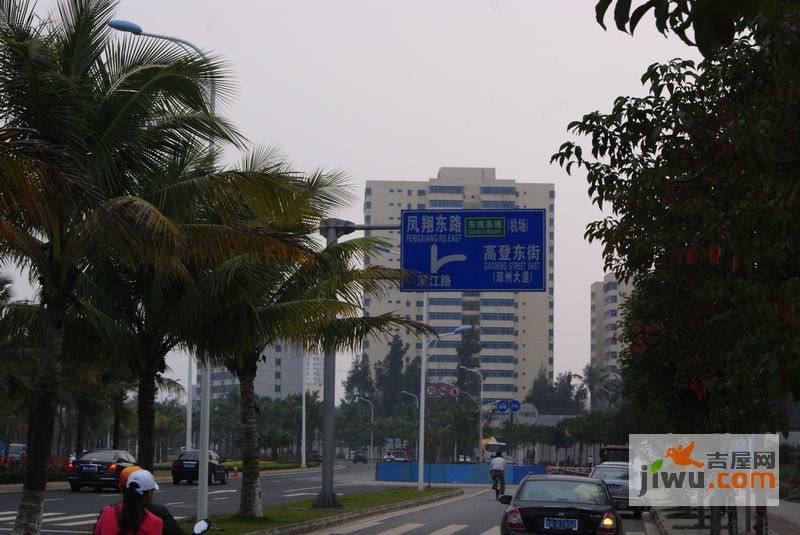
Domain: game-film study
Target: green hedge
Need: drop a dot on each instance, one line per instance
(16, 474)
(268, 465)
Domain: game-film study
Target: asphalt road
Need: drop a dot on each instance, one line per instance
(66, 512)
(474, 513)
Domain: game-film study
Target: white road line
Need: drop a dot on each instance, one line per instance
(7, 518)
(52, 500)
(79, 523)
(222, 491)
(173, 503)
(399, 530)
(54, 531)
(181, 517)
(223, 498)
(492, 531)
(72, 517)
(304, 488)
(296, 494)
(109, 495)
(357, 527)
(449, 530)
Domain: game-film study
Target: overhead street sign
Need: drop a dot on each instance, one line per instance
(474, 250)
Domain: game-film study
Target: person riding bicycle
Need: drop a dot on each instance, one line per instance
(497, 471)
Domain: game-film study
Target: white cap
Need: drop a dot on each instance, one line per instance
(144, 481)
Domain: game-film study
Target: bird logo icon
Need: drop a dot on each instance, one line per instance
(680, 455)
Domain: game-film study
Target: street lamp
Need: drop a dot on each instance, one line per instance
(371, 423)
(480, 403)
(205, 392)
(416, 398)
(422, 373)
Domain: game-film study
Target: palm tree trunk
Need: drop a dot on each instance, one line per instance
(147, 420)
(250, 500)
(41, 424)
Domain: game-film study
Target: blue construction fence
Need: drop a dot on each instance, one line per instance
(452, 473)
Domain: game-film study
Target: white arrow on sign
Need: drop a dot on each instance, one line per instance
(437, 262)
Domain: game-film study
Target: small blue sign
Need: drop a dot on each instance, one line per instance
(474, 250)
(502, 405)
(514, 405)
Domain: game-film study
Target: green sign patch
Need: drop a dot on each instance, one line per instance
(494, 227)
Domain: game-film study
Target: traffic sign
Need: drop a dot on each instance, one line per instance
(514, 405)
(444, 391)
(502, 405)
(453, 391)
(474, 250)
(431, 391)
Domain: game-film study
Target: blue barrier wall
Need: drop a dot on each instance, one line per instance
(451, 473)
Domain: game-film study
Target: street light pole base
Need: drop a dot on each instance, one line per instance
(325, 500)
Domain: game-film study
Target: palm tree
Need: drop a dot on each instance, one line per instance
(596, 381)
(83, 116)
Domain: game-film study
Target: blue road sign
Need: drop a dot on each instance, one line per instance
(514, 405)
(502, 405)
(475, 250)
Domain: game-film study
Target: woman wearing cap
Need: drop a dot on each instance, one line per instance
(131, 517)
(171, 526)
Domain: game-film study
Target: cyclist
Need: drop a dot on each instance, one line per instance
(497, 471)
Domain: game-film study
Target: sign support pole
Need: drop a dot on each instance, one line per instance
(423, 371)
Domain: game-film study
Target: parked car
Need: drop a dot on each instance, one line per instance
(187, 468)
(314, 456)
(396, 456)
(560, 504)
(359, 457)
(615, 475)
(98, 469)
(15, 452)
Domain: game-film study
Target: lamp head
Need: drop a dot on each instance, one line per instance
(463, 328)
(125, 26)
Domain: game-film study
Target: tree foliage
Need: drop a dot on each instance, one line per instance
(561, 396)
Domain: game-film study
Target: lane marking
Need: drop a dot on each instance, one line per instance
(7, 518)
(449, 530)
(296, 494)
(223, 498)
(72, 517)
(54, 531)
(173, 503)
(492, 531)
(222, 491)
(357, 527)
(399, 530)
(79, 523)
(304, 488)
(50, 500)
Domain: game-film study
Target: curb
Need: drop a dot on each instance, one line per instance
(344, 518)
(8, 488)
(659, 522)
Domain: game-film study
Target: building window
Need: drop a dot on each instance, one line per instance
(498, 330)
(409, 193)
(550, 333)
(610, 327)
(594, 321)
(367, 204)
(552, 194)
(368, 191)
(446, 189)
(550, 319)
(498, 204)
(552, 236)
(419, 317)
(497, 373)
(277, 362)
(419, 345)
(492, 359)
(277, 389)
(498, 190)
(420, 207)
(496, 345)
(367, 219)
(611, 299)
(551, 305)
(278, 348)
(498, 302)
(277, 375)
(609, 286)
(552, 207)
(420, 192)
(444, 315)
(494, 316)
(550, 346)
(420, 303)
(446, 203)
(443, 358)
(550, 360)
(444, 301)
(498, 388)
(611, 313)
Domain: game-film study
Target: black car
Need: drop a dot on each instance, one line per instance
(561, 504)
(98, 469)
(359, 457)
(187, 468)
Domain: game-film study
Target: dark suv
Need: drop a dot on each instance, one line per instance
(98, 469)
(187, 468)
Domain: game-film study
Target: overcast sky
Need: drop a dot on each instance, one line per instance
(397, 89)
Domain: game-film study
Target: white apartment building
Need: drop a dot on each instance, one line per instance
(516, 328)
(607, 296)
(280, 374)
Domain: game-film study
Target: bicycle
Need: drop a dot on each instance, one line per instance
(499, 485)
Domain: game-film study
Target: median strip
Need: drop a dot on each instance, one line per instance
(301, 517)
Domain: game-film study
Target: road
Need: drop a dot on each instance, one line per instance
(474, 513)
(66, 512)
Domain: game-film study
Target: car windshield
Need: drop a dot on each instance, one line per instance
(190, 455)
(562, 491)
(99, 456)
(611, 472)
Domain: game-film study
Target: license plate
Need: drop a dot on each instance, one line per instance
(561, 523)
(90, 468)
(615, 487)
(189, 465)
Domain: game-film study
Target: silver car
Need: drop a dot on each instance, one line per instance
(615, 476)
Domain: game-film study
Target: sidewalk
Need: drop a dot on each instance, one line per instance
(783, 520)
(64, 485)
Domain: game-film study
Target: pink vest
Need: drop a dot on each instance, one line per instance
(107, 524)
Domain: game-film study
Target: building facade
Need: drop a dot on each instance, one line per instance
(280, 374)
(516, 328)
(607, 297)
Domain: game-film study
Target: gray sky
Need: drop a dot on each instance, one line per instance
(396, 89)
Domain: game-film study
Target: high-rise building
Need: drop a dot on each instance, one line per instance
(607, 296)
(516, 328)
(280, 374)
